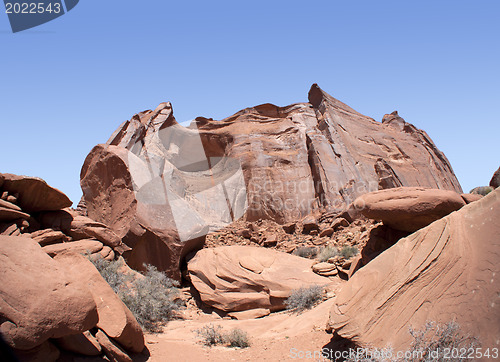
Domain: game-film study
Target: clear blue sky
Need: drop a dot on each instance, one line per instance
(68, 84)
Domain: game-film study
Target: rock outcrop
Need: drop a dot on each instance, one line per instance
(445, 272)
(33, 194)
(31, 208)
(162, 186)
(46, 305)
(408, 208)
(239, 278)
(495, 180)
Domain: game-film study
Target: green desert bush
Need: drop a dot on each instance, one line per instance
(481, 190)
(327, 252)
(306, 252)
(210, 335)
(348, 251)
(304, 298)
(151, 298)
(237, 338)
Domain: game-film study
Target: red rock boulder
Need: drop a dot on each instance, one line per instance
(409, 208)
(38, 300)
(34, 193)
(115, 319)
(239, 278)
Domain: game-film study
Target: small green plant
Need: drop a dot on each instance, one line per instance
(327, 252)
(210, 335)
(306, 252)
(151, 298)
(481, 190)
(304, 298)
(348, 251)
(237, 338)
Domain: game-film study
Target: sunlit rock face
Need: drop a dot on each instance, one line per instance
(447, 271)
(162, 186)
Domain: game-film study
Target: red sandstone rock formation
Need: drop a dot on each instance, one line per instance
(161, 186)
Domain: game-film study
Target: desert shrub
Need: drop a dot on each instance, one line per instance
(304, 298)
(348, 251)
(481, 190)
(110, 272)
(327, 252)
(306, 252)
(210, 335)
(237, 338)
(151, 298)
(429, 344)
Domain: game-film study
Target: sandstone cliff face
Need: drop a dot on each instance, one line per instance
(162, 186)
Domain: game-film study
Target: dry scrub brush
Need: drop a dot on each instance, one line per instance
(152, 298)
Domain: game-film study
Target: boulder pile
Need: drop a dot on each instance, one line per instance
(52, 298)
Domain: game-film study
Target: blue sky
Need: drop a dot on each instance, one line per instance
(68, 84)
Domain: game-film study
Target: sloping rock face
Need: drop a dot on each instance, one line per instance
(162, 186)
(445, 272)
(409, 208)
(238, 278)
(37, 300)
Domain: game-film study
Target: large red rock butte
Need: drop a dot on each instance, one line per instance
(161, 187)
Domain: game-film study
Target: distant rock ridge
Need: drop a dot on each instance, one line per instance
(162, 186)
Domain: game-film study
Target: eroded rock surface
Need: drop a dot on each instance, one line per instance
(445, 272)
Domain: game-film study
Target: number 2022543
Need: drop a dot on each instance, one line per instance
(32, 8)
